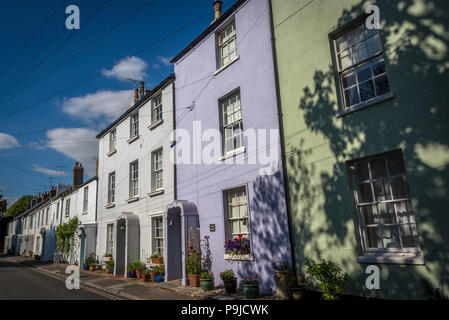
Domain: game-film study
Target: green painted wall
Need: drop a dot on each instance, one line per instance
(415, 39)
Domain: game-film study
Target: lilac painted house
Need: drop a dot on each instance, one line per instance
(225, 90)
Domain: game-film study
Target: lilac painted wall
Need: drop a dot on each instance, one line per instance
(204, 184)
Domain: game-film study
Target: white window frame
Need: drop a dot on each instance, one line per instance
(67, 207)
(46, 216)
(134, 179)
(110, 238)
(111, 188)
(156, 110)
(228, 194)
(224, 41)
(154, 228)
(57, 211)
(231, 134)
(371, 60)
(395, 202)
(86, 199)
(112, 141)
(38, 244)
(134, 126)
(157, 171)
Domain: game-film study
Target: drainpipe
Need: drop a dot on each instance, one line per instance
(281, 132)
(174, 128)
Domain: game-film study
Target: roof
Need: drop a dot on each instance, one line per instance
(143, 100)
(209, 30)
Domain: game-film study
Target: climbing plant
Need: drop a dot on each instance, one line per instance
(64, 234)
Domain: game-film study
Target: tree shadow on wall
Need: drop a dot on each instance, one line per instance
(416, 119)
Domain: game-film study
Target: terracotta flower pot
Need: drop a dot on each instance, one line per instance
(91, 268)
(153, 276)
(157, 260)
(144, 277)
(298, 293)
(194, 280)
(138, 274)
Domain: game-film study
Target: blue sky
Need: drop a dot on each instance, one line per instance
(43, 126)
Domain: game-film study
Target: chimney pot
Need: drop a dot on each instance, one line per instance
(78, 174)
(142, 88)
(217, 8)
(136, 94)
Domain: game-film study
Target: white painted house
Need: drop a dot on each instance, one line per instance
(136, 177)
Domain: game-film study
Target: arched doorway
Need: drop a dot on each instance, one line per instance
(127, 242)
(179, 218)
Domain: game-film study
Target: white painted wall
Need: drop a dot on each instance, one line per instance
(141, 149)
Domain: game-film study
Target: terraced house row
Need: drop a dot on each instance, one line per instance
(286, 122)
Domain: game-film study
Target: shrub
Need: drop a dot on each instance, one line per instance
(108, 255)
(139, 265)
(251, 281)
(207, 276)
(193, 262)
(329, 276)
(156, 255)
(90, 260)
(227, 275)
(110, 265)
(131, 267)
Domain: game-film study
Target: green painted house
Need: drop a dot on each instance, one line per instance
(365, 119)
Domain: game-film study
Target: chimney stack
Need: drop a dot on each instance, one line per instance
(142, 89)
(52, 191)
(78, 174)
(136, 94)
(39, 198)
(217, 8)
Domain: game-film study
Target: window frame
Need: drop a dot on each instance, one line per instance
(357, 204)
(154, 240)
(230, 126)
(113, 141)
(368, 62)
(156, 109)
(134, 125)
(111, 188)
(134, 179)
(109, 241)
(67, 207)
(155, 172)
(220, 44)
(86, 199)
(228, 220)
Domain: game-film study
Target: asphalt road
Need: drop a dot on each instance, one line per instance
(18, 282)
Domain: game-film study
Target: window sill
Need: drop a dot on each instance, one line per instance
(233, 153)
(156, 124)
(156, 193)
(134, 199)
(224, 67)
(239, 257)
(392, 258)
(131, 140)
(366, 104)
(110, 205)
(84, 213)
(110, 153)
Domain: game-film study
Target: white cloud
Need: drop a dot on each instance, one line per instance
(132, 67)
(8, 142)
(107, 105)
(78, 144)
(165, 60)
(48, 172)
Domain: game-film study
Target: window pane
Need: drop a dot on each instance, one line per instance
(386, 213)
(244, 225)
(404, 212)
(378, 168)
(382, 86)
(365, 194)
(360, 52)
(390, 237)
(364, 74)
(400, 189)
(235, 227)
(349, 80)
(357, 34)
(345, 59)
(382, 190)
(374, 45)
(352, 96)
(369, 214)
(342, 43)
(379, 68)
(367, 90)
(409, 235)
(372, 237)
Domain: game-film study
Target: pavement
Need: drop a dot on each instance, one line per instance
(125, 288)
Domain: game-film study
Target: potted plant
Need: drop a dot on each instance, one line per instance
(283, 279)
(153, 274)
(110, 266)
(131, 271)
(238, 246)
(107, 257)
(229, 281)
(251, 287)
(207, 281)
(160, 273)
(139, 266)
(157, 258)
(90, 262)
(298, 286)
(329, 276)
(145, 275)
(193, 267)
